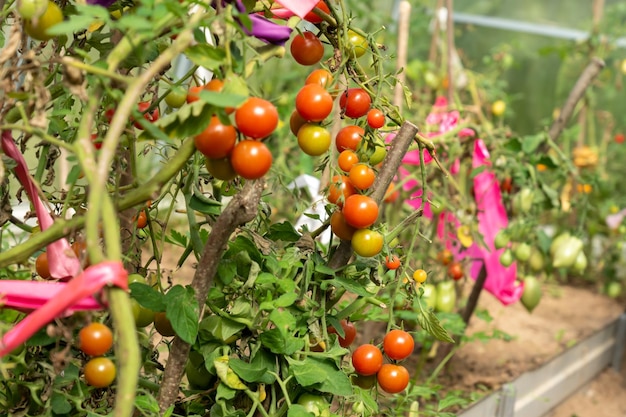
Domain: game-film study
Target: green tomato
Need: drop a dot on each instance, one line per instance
(523, 201)
(431, 79)
(501, 240)
(357, 44)
(613, 289)
(557, 242)
(580, 264)
(532, 293)
(522, 252)
(566, 254)
(536, 261)
(379, 154)
(506, 258)
(430, 295)
(143, 316)
(315, 404)
(446, 297)
(31, 9)
(176, 97)
(39, 30)
(198, 376)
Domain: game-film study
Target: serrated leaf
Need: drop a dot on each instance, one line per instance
(182, 310)
(227, 375)
(147, 296)
(449, 401)
(147, 404)
(176, 238)
(430, 323)
(283, 320)
(322, 374)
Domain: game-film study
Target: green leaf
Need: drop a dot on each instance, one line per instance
(59, 404)
(283, 231)
(205, 55)
(449, 401)
(176, 238)
(187, 121)
(551, 194)
(182, 310)
(513, 145)
(40, 338)
(279, 343)
(220, 328)
(326, 270)
(322, 374)
(477, 171)
(147, 296)
(430, 323)
(205, 206)
(226, 375)
(73, 24)
(297, 410)
(531, 143)
(249, 372)
(147, 404)
(226, 271)
(284, 320)
(351, 285)
(285, 300)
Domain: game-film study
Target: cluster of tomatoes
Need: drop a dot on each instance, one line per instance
(95, 340)
(368, 360)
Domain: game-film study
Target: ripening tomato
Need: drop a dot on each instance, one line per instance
(367, 360)
(355, 102)
(455, 271)
(99, 372)
(365, 382)
(392, 194)
(198, 376)
(251, 159)
(30, 9)
(398, 344)
(176, 97)
(256, 118)
(95, 339)
(362, 176)
(194, 92)
(349, 333)
(217, 140)
(506, 185)
(38, 28)
(142, 220)
(142, 316)
(313, 17)
(221, 169)
(151, 117)
(313, 139)
(619, 138)
(349, 137)
(41, 265)
(360, 211)
(163, 325)
(375, 118)
(79, 247)
(314, 103)
(307, 49)
(357, 44)
(419, 275)
(367, 243)
(321, 77)
(339, 227)
(498, 108)
(296, 122)
(97, 142)
(392, 378)
(444, 256)
(340, 189)
(347, 159)
(392, 262)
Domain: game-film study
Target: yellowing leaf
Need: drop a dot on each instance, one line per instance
(227, 375)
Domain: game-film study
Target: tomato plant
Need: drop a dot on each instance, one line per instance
(95, 339)
(100, 372)
(307, 49)
(367, 359)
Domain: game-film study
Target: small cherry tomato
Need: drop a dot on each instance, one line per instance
(321, 77)
(367, 360)
(142, 220)
(355, 102)
(347, 159)
(313, 17)
(349, 333)
(392, 194)
(256, 118)
(419, 275)
(340, 189)
(95, 339)
(339, 227)
(314, 140)
(362, 176)
(367, 243)
(349, 137)
(99, 372)
(151, 117)
(357, 44)
(217, 140)
(38, 28)
(455, 271)
(307, 49)
(444, 256)
(398, 344)
(375, 118)
(220, 169)
(296, 122)
(176, 97)
(360, 211)
(41, 265)
(498, 108)
(314, 103)
(392, 262)
(163, 325)
(392, 378)
(251, 159)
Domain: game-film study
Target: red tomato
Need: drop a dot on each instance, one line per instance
(256, 118)
(296, 122)
(97, 143)
(455, 271)
(362, 176)
(142, 219)
(321, 77)
(349, 138)
(347, 159)
(375, 118)
(444, 256)
(367, 360)
(506, 185)
(392, 262)
(355, 102)
(95, 339)
(151, 117)
(339, 227)
(340, 189)
(313, 17)
(99, 372)
(392, 378)
(251, 159)
(619, 138)
(367, 243)
(314, 103)
(307, 49)
(217, 140)
(163, 325)
(398, 344)
(360, 211)
(41, 266)
(349, 333)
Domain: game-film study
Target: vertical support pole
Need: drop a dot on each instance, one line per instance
(506, 407)
(620, 343)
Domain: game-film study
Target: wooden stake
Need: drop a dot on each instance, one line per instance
(404, 14)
